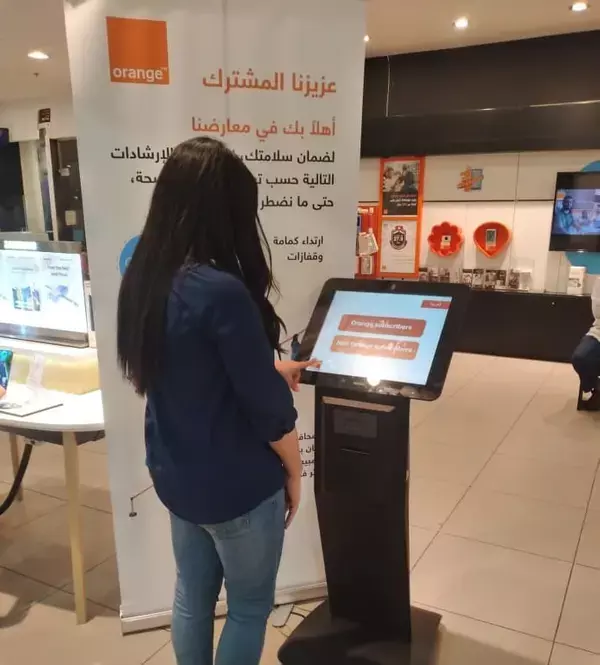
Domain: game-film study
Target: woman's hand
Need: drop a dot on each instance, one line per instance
(293, 491)
(292, 369)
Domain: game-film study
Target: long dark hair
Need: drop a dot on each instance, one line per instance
(203, 210)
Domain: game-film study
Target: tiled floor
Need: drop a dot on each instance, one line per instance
(505, 533)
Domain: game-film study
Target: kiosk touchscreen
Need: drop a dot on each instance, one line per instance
(390, 337)
(380, 344)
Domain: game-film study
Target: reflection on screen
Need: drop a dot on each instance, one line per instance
(576, 212)
(381, 336)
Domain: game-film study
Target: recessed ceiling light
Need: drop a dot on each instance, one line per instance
(38, 55)
(367, 38)
(461, 23)
(579, 6)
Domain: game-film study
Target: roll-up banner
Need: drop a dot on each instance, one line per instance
(280, 82)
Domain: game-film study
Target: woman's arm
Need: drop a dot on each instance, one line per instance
(288, 449)
(248, 359)
(291, 371)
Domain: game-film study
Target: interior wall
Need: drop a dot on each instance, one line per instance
(369, 180)
(21, 119)
(518, 190)
(32, 193)
(12, 212)
(510, 101)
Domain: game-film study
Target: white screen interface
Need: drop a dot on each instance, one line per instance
(42, 290)
(381, 336)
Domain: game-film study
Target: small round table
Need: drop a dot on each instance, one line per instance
(79, 420)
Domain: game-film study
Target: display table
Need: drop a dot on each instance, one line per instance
(66, 369)
(79, 420)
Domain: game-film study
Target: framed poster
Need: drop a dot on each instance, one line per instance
(402, 186)
(399, 251)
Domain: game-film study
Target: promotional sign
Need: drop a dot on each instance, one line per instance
(401, 186)
(280, 82)
(471, 180)
(41, 294)
(39, 289)
(401, 199)
(399, 247)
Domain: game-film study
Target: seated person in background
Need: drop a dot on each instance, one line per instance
(586, 358)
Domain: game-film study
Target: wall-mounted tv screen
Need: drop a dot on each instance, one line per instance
(576, 213)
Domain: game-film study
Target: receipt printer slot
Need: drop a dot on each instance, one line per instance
(357, 457)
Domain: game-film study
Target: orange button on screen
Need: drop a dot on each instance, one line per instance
(374, 347)
(383, 325)
(436, 304)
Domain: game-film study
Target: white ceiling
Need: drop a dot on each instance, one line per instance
(403, 26)
(26, 25)
(395, 26)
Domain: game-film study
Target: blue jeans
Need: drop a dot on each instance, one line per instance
(244, 552)
(586, 362)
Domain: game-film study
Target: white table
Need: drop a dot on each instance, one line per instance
(79, 420)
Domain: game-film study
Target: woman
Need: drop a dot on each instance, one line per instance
(197, 337)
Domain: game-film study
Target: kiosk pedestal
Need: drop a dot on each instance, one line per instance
(361, 490)
(381, 344)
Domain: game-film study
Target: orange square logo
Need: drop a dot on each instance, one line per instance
(138, 50)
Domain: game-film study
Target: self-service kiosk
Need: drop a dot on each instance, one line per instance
(381, 344)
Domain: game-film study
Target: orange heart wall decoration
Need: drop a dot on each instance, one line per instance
(492, 238)
(445, 239)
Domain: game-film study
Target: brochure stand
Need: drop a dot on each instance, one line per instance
(361, 489)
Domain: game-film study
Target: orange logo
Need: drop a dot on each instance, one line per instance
(138, 50)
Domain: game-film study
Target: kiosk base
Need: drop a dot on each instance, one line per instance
(321, 640)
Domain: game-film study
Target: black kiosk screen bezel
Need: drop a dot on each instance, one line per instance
(441, 362)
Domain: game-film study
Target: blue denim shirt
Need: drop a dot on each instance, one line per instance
(218, 404)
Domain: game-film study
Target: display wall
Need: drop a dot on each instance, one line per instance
(517, 190)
